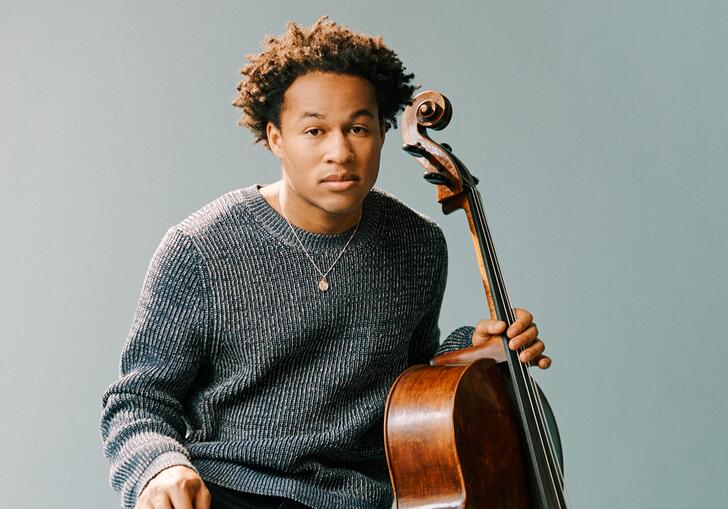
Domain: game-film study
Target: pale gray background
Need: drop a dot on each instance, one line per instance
(598, 130)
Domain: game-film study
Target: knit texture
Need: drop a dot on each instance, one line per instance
(237, 365)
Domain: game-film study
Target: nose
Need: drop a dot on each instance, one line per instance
(338, 149)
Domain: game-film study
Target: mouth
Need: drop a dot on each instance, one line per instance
(340, 177)
(340, 181)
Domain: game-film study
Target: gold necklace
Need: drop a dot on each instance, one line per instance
(323, 283)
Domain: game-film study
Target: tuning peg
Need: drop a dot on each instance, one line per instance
(416, 150)
(446, 146)
(439, 179)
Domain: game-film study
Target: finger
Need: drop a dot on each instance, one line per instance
(542, 361)
(145, 501)
(203, 499)
(486, 328)
(161, 502)
(181, 499)
(532, 352)
(525, 339)
(523, 320)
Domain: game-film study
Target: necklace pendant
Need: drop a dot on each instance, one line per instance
(323, 285)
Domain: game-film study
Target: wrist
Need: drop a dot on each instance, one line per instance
(162, 462)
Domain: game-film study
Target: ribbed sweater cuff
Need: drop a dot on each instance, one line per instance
(165, 460)
(458, 339)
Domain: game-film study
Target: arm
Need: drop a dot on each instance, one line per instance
(142, 423)
(425, 341)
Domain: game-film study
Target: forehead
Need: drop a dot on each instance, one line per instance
(328, 95)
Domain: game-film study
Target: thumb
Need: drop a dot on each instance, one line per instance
(487, 330)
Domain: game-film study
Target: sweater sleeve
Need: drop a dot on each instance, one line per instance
(460, 338)
(142, 423)
(425, 342)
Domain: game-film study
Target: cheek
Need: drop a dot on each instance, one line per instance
(300, 165)
(372, 157)
(298, 156)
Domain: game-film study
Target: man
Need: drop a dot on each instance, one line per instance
(273, 321)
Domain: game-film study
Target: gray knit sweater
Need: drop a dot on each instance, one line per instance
(238, 366)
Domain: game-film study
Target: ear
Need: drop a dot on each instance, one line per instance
(383, 130)
(274, 139)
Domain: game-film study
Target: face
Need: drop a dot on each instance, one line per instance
(329, 143)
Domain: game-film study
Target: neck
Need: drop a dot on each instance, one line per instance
(307, 216)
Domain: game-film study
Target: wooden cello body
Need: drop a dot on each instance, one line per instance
(471, 434)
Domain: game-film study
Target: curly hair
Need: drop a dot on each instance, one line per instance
(327, 47)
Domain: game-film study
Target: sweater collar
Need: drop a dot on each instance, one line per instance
(267, 217)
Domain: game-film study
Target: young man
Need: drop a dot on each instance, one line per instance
(273, 321)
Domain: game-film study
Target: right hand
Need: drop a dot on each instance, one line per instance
(177, 487)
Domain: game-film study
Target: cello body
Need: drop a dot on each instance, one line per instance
(452, 440)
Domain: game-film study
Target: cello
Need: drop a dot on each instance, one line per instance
(468, 434)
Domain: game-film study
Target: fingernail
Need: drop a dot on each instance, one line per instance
(513, 345)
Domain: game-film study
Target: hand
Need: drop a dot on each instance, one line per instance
(487, 343)
(522, 333)
(177, 487)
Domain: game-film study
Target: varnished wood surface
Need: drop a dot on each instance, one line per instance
(451, 439)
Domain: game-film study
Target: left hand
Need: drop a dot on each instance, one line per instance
(487, 342)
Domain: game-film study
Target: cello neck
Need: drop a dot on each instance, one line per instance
(495, 290)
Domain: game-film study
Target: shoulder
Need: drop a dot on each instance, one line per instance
(404, 222)
(415, 238)
(221, 212)
(208, 228)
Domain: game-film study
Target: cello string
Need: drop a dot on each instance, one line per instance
(497, 282)
(534, 396)
(502, 295)
(497, 291)
(551, 448)
(558, 467)
(497, 274)
(530, 388)
(535, 405)
(541, 422)
(549, 435)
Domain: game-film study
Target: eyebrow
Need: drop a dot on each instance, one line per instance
(357, 113)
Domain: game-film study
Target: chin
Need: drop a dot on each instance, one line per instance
(342, 204)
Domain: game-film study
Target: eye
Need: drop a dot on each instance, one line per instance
(314, 131)
(359, 129)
